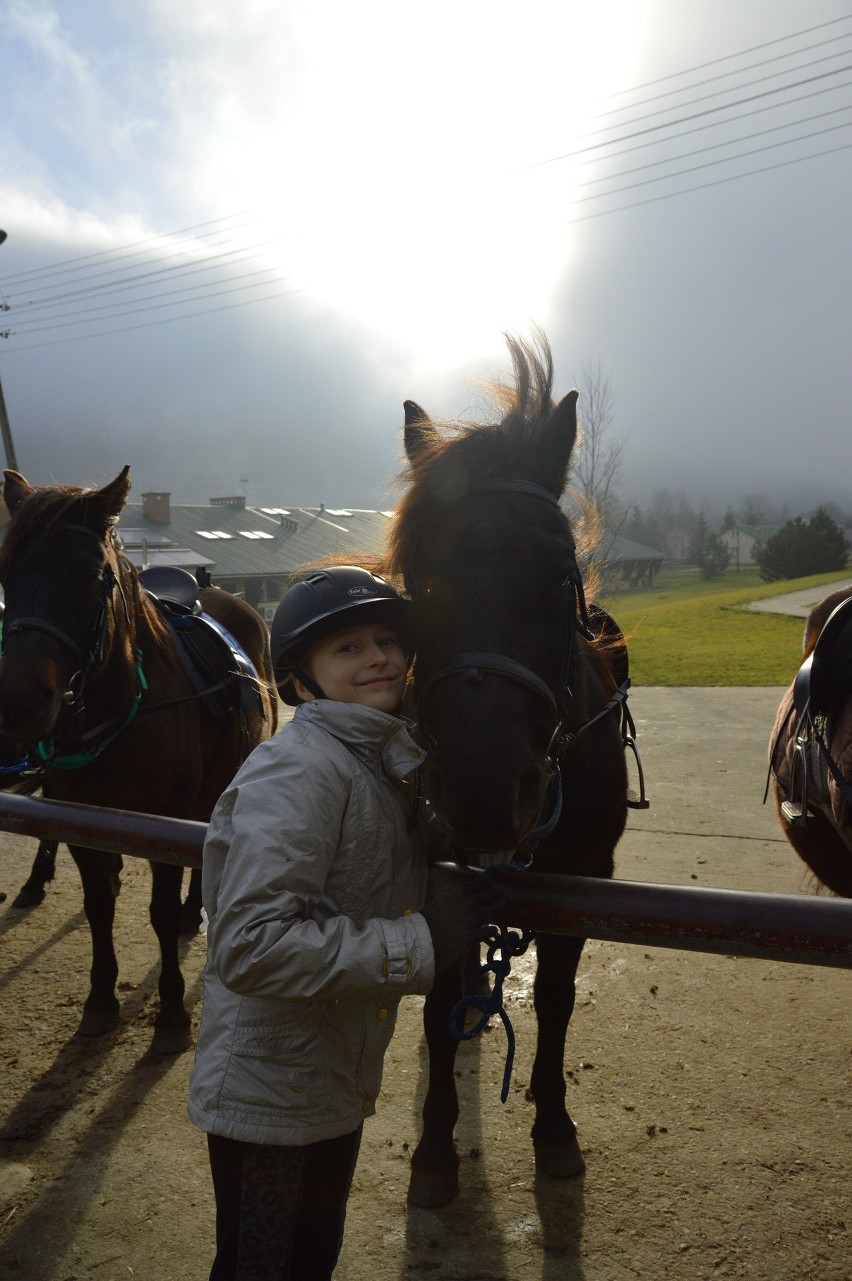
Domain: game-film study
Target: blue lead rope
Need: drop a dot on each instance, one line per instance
(508, 943)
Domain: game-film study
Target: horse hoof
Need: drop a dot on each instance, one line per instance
(560, 1160)
(97, 1023)
(28, 898)
(171, 1040)
(428, 1190)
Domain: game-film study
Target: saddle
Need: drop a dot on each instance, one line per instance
(821, 690)
(224, 675)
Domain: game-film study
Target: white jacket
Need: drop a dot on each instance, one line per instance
(314, 874)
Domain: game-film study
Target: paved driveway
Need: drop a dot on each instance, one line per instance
(800, 603)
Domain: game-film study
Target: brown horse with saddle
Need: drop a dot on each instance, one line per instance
(810, 751)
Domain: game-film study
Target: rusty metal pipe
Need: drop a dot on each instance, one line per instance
(164, 840)
(774, 927)
(779, 927)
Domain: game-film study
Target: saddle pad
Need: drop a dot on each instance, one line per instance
(220, 667)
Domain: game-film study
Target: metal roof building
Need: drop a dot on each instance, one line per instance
(249, 550)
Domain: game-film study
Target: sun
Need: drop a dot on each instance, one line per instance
(410, 176)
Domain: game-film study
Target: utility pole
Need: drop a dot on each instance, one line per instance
(5, 429)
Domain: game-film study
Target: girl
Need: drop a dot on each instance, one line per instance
(314, 883)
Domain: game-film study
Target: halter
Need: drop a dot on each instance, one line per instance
(89, 658)
(91, 654)
(475, 664)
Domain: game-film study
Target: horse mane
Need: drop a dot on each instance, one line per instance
(458, 449)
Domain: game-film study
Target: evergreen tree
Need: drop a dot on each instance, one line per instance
(815, 546)
(715, 557)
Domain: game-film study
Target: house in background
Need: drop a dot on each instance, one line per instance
(624, 563)
(744, 541)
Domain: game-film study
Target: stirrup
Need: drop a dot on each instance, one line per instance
(796, 810)
(628, 737)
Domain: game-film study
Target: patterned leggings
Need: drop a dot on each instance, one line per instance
(280, 1211)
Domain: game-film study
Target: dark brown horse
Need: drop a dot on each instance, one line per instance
(98, 695)
(810, 752)
(517, 689)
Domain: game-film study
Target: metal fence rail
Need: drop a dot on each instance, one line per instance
(780, 927)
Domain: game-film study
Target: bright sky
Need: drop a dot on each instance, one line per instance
(240, 235)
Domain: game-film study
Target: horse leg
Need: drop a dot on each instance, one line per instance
(172, 1025)
(42, 871)
(434, 1177)
(99, 875)
(553, 1133)
(190, 922)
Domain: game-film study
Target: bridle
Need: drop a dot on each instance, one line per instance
(474, 665)
(90, 655)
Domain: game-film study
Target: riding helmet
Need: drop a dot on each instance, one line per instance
(326, 601)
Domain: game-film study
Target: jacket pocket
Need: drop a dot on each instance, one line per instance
(278, 1067)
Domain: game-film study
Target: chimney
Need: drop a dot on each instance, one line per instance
(156, 508)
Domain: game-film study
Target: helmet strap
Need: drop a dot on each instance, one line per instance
(308, 681)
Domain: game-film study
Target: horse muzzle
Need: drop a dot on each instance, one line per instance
(488, 816)
(31, 699)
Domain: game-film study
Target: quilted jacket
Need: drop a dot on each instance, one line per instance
(314, 873)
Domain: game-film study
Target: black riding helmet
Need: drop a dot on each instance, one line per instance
(326, 601)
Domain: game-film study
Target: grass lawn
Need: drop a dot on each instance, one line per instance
(687, 631)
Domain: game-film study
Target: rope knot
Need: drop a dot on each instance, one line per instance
(503, 944)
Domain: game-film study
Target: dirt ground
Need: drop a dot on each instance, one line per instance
(712, 1094)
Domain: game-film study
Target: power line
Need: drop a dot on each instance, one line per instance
(134, 282)
(148, 324)
(130, 249)
(709, 111)
(729, 142)
(138, 247)
(714, 62)
(709, 164)
(88, 288)
(717, 182)
(153, 304)
(715, 124)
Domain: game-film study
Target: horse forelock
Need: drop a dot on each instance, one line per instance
(39, 513)
(460, 455)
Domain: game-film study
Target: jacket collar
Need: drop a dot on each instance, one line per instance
(370, 735)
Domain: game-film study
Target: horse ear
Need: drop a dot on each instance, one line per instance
(110, 500)
(15, 490)
(419, 430)
(557, 437)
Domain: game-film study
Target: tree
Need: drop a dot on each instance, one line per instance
(697, 540)
(596, 470)
(715, 557)
(815, 546)
(707, 550)
(667, 524)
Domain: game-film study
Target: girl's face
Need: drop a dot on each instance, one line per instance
(364, 664)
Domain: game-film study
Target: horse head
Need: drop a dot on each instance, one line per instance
(488, 556)
(59, 569)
